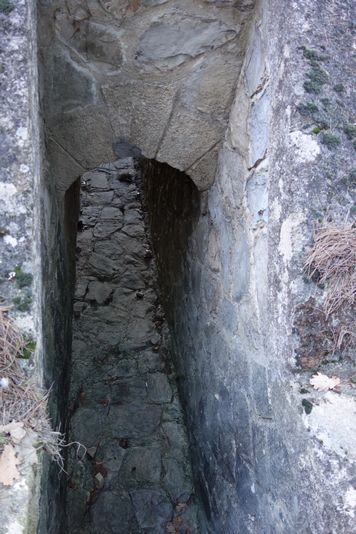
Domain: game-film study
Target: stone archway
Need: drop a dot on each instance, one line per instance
(159, 75)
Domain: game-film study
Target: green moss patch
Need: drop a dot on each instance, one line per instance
(5, 6)
(23, 303)
(317, 77)
(307, 405)
(28, 350)
(22, 279)
(350, 131)
(330, 140)
(307, 109)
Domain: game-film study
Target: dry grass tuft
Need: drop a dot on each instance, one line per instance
(20, 398)
(333, 261)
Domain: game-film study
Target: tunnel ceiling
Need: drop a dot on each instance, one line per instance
(158, 74)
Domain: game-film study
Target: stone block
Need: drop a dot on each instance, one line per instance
(129, 422)
(103, 266)
(126, 391)
(176, 481)
(73, 131)
(142, 465)
(257, 196)
(152, 508)
(182, 145)
(105, 230)
(169, 45)
(113, 511)
(158, 387)
(240, 269)
(150, 361)
(110, 213)
(99, 292)
(255, 62)
(96, 180)
(140, 112)
(72, 86)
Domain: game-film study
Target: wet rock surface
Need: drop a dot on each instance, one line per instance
(135, 476)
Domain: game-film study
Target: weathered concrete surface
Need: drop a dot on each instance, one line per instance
(136, 475)
(19, 230)
(155, 74)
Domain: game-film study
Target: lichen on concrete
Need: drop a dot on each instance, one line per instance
(19, 265)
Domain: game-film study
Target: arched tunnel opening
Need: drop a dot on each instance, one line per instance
(127, 224)
(165, 167)
(146, 365)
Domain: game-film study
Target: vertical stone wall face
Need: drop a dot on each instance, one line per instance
(59, 218)
(20, 164)
(262, 464)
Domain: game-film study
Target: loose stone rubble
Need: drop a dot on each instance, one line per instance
(135, 475)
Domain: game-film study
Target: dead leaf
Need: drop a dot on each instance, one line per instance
(324, 383)
(8, 466)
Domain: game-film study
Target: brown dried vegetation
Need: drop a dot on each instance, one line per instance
(327, 331)
(333, 262)
(21, 400)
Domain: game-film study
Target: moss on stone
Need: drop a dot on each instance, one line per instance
(307, 405)
(5, 6)
(350, 131)
(317, 77)
(307, 108)
(352, 177)
(312, 55)
(330, 140)
(28, 350)
(316, 130)
(22, 279)
(23, 303)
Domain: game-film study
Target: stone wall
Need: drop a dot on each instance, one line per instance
(262, 463)
(153, 73)
(20, 259)
(59, 226)
(236, 285)
(123, 401)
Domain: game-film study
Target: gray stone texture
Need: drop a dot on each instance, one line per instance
(261, 464)
(154, 74)
(231, 274)
(20, 191)
(123, 408)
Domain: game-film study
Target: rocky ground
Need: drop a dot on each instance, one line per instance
(135, 476)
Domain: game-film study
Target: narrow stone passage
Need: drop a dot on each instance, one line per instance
(135, 476)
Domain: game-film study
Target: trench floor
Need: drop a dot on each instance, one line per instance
(135, 476)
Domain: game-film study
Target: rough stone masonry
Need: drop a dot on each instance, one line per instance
(135, 476)
(254, 101)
